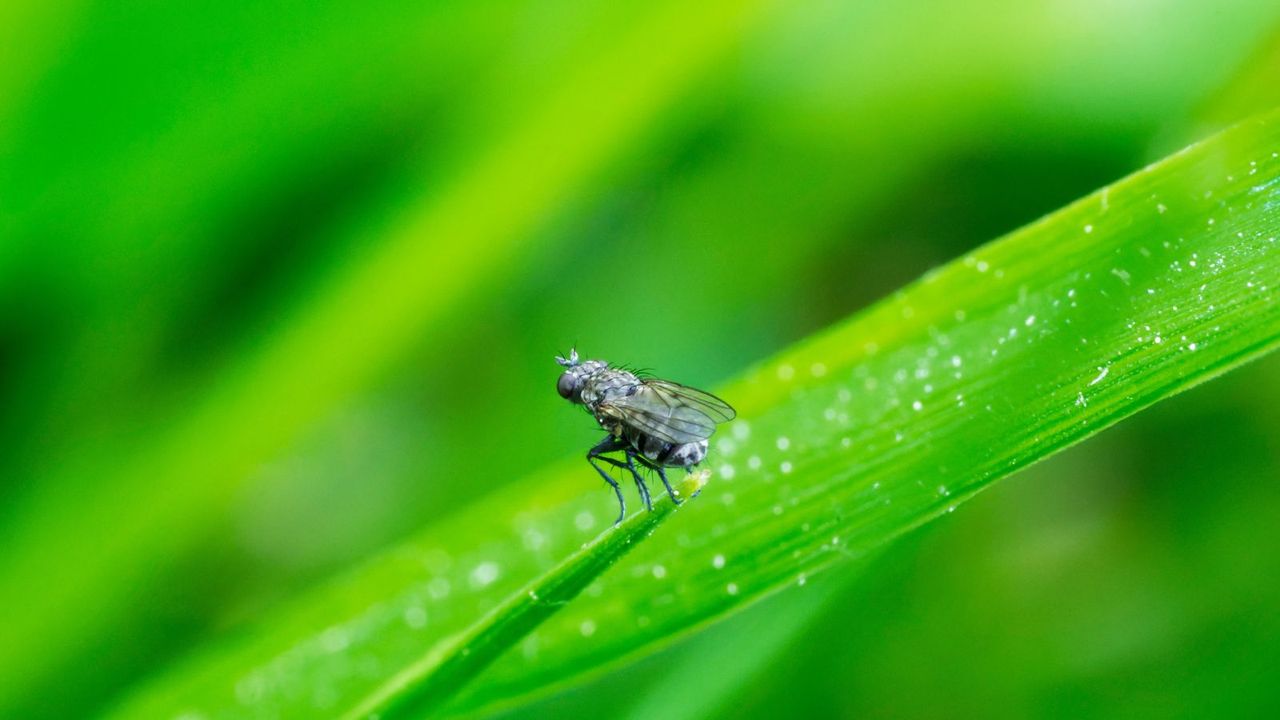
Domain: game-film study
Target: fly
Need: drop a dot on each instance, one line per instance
(655, 423)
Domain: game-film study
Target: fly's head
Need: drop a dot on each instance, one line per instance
(576, 374)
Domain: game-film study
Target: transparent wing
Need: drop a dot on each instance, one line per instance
(710, 405)
(669, 411)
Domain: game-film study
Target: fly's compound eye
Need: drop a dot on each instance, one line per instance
(568, 386)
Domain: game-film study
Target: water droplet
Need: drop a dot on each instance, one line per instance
(786, 372)
(753, 462)
(534, 540)
(785, 467)
(784, 442)
(717, 562)
(415, 617)
(917, 406)
(584, 520)
(731, 588)
(587, 628)
(659, 572)
(484, 574)
(438, 588)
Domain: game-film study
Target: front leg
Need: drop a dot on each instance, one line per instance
(631, 468)
(609, 444)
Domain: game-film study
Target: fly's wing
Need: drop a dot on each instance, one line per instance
(708, 404)
(669, 411)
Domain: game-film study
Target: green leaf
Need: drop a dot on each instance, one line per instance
(422, 687)
(845, 442)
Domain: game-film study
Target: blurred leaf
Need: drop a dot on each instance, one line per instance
(1018, 350)
(1254, 88)
(337, 339)
(739, 649)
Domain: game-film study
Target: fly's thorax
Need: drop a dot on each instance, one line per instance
(605, 384)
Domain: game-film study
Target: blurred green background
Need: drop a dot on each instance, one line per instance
(281, 282)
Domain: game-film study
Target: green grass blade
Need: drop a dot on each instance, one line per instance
(849, 440)
(424, 686)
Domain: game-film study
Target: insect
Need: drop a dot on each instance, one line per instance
(655, 423)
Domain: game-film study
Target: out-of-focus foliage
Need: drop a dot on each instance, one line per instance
(280, 282)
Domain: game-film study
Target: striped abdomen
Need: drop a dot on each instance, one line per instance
(683, 455)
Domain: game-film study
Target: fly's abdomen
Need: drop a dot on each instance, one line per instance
(687, 455)
(670, 454)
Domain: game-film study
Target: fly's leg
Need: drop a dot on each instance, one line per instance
(644, 489)
(609, 444)
(662, 473)
(617, 489)
(630, 467)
